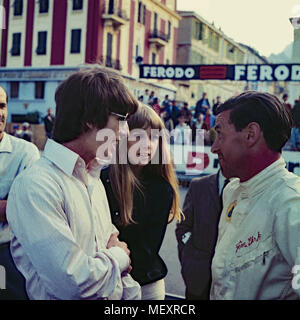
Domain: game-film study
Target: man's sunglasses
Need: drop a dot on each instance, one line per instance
(120, 117)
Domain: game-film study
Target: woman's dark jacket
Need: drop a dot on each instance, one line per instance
(144, 239)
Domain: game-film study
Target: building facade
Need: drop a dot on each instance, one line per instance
(252, 56)
(200, 42)
(46, 40)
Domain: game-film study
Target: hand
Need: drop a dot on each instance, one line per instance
(115, 242)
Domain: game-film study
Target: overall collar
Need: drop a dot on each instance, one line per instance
(262, 180)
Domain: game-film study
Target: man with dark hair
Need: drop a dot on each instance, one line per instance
(64, 242)
(259, 231)
(15, 156)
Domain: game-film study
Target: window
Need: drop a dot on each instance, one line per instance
(141, 13)
(16, 44)
(44, 6)
(140, 10)
(198, 32)
(75, 41)
(153, 58)
(14, 90)
(39, 90)
(77, 4)
(155, 22)
(169, 29)
(42, 42)
(111, 7)
(18, 7)
(109, 50)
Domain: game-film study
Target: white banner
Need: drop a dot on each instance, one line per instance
(205, 162)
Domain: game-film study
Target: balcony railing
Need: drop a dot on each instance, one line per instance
(159, 35)
(113, 15)
(158, 38)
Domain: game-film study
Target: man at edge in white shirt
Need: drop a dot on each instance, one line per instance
(15, 156)
(64, 242)
(258, 242)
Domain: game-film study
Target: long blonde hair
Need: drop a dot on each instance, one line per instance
(124, 182)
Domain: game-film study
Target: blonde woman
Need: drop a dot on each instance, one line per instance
(143, 197)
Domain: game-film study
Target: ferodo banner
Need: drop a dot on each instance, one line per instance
(203, 161)
(238, 72)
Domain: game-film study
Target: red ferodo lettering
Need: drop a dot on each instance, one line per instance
(197, 161)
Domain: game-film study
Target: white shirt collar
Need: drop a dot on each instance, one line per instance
(5, 144)
(62, 157)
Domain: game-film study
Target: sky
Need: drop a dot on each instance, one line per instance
(261, 24)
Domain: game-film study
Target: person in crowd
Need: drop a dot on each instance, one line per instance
(259, 229)
(286, 103)
(168, 122)
(182, 132)
(143, 197)
(49, 122)
(64, 242)
(151, 99)
(165, 102)
(146, 98)
(197, 233)
(295, 137)
(190, 120)
(16, 131)
(173, 112)
(186, 112)
(15, 156)
(296, 112)
(209, 119)
(215, 106)
(202, 105)
(141, 98)
(199, 124)
(156, 107)
(27, 134)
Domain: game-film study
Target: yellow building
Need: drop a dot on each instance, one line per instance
(200, 42)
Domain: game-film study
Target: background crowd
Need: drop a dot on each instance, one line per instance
(179, 116)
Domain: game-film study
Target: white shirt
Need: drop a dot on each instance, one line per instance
(15, 155)
(60, 219)
(258, 248)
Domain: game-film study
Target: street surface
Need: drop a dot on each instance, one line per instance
(174, 282)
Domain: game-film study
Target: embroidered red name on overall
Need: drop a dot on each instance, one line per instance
(241, 244)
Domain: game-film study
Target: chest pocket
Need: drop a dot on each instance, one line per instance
(254, 253)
